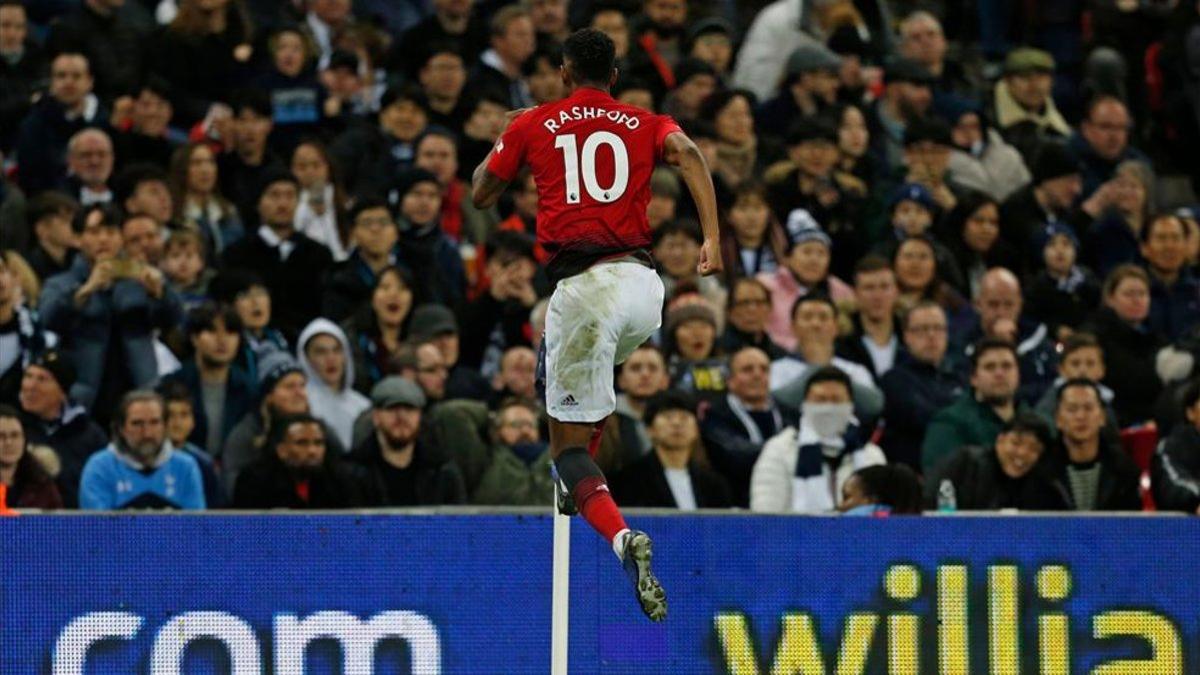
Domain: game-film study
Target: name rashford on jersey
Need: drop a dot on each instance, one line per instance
(591, 157)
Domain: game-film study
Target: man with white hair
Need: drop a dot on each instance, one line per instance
(922, 40)
(89, 167)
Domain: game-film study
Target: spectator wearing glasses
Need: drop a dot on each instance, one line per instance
(747, 311)
(922, 382)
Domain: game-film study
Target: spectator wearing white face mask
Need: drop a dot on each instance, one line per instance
(802, 470)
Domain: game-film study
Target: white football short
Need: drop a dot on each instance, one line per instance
(594, 321)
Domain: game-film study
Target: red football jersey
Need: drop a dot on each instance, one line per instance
(591, 158)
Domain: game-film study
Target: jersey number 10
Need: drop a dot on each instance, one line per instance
(573, 161)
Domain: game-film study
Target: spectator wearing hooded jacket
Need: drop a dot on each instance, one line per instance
(328, 364)
(50, 418)
(802, 469)
(1175, 468)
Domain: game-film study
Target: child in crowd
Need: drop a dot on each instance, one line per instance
(1063, 293)
(184, 266)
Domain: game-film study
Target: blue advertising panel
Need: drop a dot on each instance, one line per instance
(471, 594)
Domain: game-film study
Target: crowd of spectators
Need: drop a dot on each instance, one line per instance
(240, 265)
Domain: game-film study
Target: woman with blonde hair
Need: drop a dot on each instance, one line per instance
(1116, 236)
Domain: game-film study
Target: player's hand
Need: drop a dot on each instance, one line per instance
(710, 258)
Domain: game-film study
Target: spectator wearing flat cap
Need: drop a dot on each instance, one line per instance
(1024, 108)
(282, 392)
(372, 155)
(437, 324)
(291, 264)
(1049, 198)
(810, 87)
(406, 469)
(811, 180)
(907, 96)
(425, 249)
(51, 418)
(695, 80)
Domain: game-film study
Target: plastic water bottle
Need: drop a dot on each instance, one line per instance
(946, 500)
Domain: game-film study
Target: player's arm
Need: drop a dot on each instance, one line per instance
(679, 151)
(486, 186)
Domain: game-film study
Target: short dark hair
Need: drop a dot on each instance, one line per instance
(813, 296)
(991, 344)
(156, 85)
(684, 226)
(436, 130)
(1191, 394)
(829, 374)
(134, 175)
(509, 242)
(50, 203)
(280, 426)
(1079, 340)
(590, 54)
(1027, 422)
(671, 399)
(721, 98)
(7, 411)
(871, 262)
(256, 101)
(174, 391)
(204, 317)
(110, 216)
(730, 297)
(920, 305)
(367, 203)
(551, 54)
(893, 485)
(1075, 383)
(1148, 229)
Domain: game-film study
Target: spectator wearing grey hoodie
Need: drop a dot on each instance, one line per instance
(328, 364)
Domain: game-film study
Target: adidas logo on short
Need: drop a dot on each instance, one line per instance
(568, 401)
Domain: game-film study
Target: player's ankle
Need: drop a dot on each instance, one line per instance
(618, 543)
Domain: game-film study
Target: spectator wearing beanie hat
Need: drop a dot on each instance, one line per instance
(281, 388)
(1049, 198)
(805, 270)
(291, 264)
(52, 419)
(1064, 293)
(424, 248)
(711, 40)
(690, 335)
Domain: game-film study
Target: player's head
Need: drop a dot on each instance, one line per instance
(588, 57)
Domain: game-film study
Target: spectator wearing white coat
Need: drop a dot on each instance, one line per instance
(803, 470)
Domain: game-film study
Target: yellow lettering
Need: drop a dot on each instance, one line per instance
(903, 582)
(736, 644)
(1165, 648)
(799, 652)
(1054, 629)
(1004, 642)
(953, 654)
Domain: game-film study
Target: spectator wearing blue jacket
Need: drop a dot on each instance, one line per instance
(140, 469)
(106, 308)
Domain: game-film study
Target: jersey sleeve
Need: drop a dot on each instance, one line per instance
(509, 153)
(666, 126)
